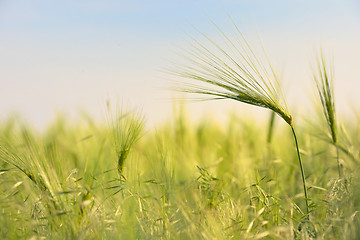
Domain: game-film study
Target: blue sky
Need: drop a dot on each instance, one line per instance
(62, 56)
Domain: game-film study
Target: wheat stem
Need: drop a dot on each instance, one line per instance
(340, 170)
(271, 127)
(302, 171)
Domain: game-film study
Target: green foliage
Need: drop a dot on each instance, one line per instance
(64, 184)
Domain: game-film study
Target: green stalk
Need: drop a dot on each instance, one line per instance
(271, 127)
(338, 162)
(302, 171)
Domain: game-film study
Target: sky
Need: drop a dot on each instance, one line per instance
(72, 56)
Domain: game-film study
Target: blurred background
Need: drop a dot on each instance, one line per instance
(71, 56)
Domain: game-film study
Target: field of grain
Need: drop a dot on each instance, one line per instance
(284, 176)
(183, 180)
